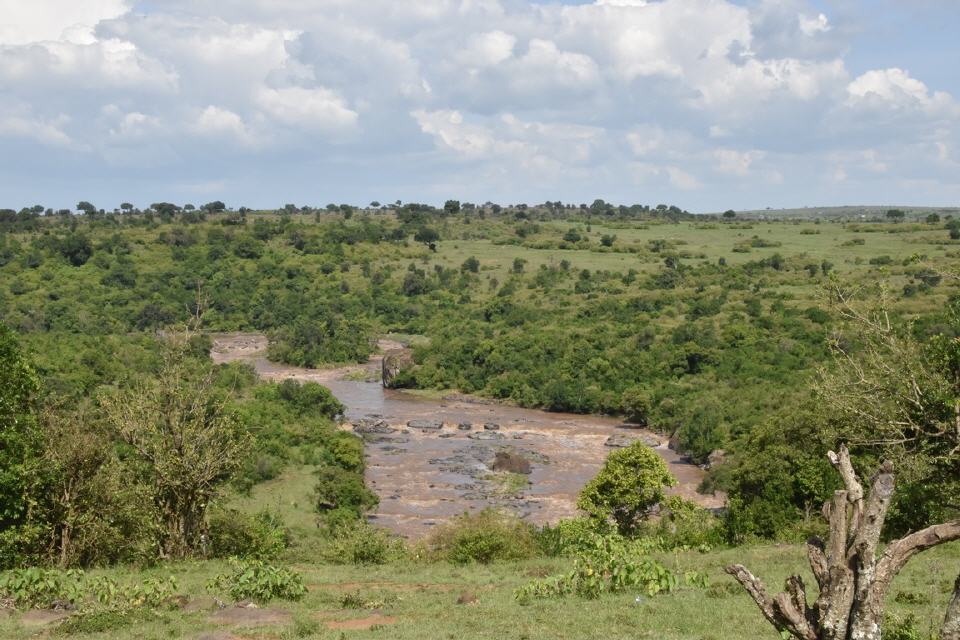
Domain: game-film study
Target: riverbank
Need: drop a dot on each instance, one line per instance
(427, 465)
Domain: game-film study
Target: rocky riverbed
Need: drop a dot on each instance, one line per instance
(429, 459)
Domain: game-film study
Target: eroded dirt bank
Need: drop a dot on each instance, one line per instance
(424, 474)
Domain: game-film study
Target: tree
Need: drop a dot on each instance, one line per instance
(187, 440)
(729, 214)
(214, 207)
(627, 488)
(895, 215)
(895, 396)
(20, 443)
(933, 218)
(86, 207)
(471, 264)
(76, 248)
(427, 236)
(607, 240)
(452, 207)
(852, 574)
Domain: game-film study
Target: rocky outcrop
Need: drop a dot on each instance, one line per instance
(511, 462)
(394, 364)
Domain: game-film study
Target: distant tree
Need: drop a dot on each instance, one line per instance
(572, 235)
(933, 218)
(518, 265)
(76, 248)
(607, 240)
(953, 226)
(452, 207)
(214, 207)
(896, 215)
(729, 213)
(189, 207)
(86, 207)
(471, 264)
(374, 205)
(427, 236)
(126, 206)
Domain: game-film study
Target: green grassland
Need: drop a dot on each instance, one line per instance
(422, 597)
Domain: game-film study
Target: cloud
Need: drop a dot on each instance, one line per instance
(693, 100)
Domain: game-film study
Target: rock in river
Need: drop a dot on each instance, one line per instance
(394, 363)
(425, 425)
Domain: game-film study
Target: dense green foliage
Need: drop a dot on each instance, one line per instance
(629, 485)
(709, 330)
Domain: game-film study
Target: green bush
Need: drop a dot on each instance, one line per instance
(233, 533)
(567, 537)
(358, 542)
(628, 486)
(684, 523)
(254, 580)
(610, 564)
(483, 537)
(36, 587)
(338, 489)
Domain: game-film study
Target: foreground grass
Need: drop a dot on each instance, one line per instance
(418, 600)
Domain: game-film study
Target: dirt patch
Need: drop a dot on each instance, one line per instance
(361, 624)
(250, 617)
(203, 603)
(39, 618)
(386, 586)
(218, 635)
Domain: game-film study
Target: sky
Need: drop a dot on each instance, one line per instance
(706, 104)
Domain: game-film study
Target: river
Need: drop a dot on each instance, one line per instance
(425, 476)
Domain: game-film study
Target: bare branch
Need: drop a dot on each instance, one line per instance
(816, 553)
(898, 553)
(757, 591)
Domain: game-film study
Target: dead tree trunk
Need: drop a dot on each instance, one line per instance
(951, 622)
(852, 576)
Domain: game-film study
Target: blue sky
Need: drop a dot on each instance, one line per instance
(708, 104)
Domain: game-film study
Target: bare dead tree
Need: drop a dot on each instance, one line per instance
(951, 622)
(853, 575)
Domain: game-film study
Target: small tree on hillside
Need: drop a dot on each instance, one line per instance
(628, 487)
(187, 440)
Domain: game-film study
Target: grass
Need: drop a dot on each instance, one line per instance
(422, 597)
(508, 484)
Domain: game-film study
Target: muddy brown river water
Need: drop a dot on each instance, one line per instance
(426, 476)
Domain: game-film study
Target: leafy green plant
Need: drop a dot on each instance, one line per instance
(152, 592)
(255, 580)
(611, 565)
(628, 486)
(36, 587)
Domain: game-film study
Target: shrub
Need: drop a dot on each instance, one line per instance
(339, 489)
(610, 564)
(359, 543)
(570, 536)
(686, 524)
(628, 486)
(233, 533)
(483, 537)
(254, 580)
(36, 587)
